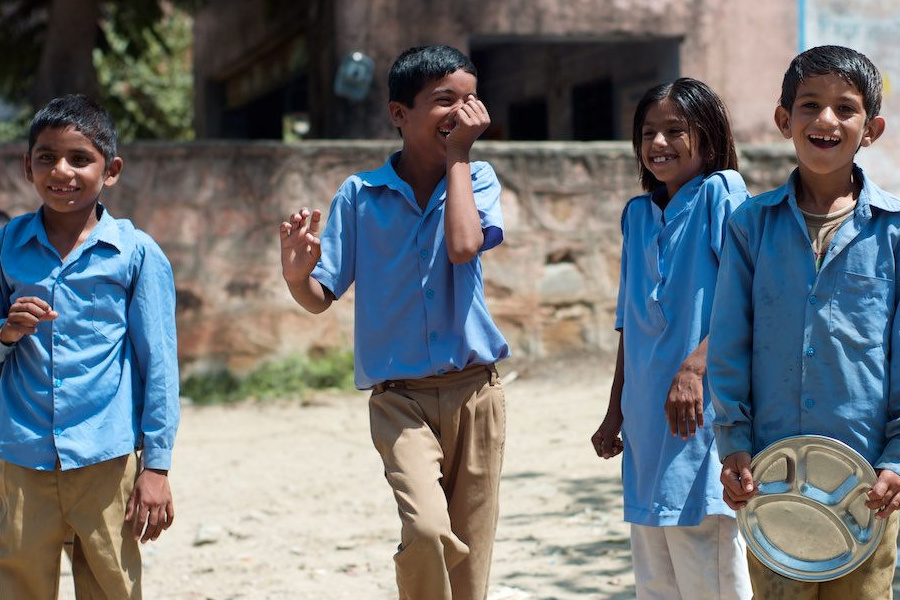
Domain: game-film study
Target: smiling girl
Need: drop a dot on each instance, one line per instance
(684, 538)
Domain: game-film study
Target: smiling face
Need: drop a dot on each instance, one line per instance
(426, 124)
(668, 150)
(68, 171)
(827, 124)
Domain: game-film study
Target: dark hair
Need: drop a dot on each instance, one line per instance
(417, 66)
(707, 120)
(851, 65)
(86, 116)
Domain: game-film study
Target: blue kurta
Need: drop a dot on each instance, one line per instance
(670, 259)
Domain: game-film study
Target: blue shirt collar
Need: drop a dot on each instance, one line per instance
(105, 231)
(684, 198)
(387, 176)
(870, 196)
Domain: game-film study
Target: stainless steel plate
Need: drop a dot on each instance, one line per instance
(809, 520)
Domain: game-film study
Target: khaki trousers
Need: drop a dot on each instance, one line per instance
(441, 440)
(870, 581)
(39, 511)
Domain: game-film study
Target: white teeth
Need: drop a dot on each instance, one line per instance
(661, 159)
(824, 138)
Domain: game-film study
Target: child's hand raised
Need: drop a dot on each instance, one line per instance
(23, 318)
(300, 245)
(885, 494)
(471, 120)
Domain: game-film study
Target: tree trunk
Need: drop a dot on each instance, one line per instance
(66, 64)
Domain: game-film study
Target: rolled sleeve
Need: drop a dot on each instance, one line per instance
(336, 269)
(486, 189)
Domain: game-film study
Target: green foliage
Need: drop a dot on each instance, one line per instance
(332, 370)
(142, 59)
(146, 76)
(211, 388)
(290, 378)
(15, 129)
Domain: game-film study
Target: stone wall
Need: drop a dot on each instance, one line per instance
(215, 209)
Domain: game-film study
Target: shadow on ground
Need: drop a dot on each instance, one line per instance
(575, 547)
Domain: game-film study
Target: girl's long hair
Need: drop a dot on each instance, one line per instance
(708, 125)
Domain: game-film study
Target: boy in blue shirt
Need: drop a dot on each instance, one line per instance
(410, 236)
(804, 333)
(88, 371)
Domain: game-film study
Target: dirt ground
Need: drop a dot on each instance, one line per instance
(287, 501)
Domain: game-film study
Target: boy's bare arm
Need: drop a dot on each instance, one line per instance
(300, 251)
(684, 402)
(606, 440)
(462, 224)
(150, 505)
(23, 318)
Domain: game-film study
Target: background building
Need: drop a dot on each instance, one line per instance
(548, 69)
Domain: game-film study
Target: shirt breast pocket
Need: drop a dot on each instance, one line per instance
(108, 310)
(861, 309)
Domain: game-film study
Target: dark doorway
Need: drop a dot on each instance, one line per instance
(528, 120)
(593, 110)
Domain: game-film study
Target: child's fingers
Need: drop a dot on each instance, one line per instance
(736, 474)
(129, 507)
(884, 497)
(314, 220)
(140, 521)
(31, 307)
(155, 524)
(34, 301)
(170, 515)
(889, 507)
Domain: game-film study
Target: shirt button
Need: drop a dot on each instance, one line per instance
(57, 431)
(429, 294)
(57, 382)
(810, 351)
(432, 336)
(813, 299)
(809, 403)
(423, 253)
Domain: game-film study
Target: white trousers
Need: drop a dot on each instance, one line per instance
(706, 562)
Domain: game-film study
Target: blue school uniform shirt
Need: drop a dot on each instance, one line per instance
(794, 351)
(670, 259)
(416, 313)
(102, 378)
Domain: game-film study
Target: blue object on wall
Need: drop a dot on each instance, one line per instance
(354, 77)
